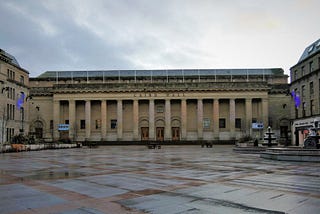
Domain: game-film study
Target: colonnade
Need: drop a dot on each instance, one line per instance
(136, 135)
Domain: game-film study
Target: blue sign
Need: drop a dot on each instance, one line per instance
(257, 125)
(63, 127)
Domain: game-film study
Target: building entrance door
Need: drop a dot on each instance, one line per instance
(175, 133)
(144, 133)
(160, 133)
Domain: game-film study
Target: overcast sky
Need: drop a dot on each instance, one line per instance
(48, 35)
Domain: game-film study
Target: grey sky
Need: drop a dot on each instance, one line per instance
(164, 34)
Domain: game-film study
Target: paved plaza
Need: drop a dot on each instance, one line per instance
(173, 179)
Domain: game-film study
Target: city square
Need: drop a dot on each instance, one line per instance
(173, 179)
(164, 107)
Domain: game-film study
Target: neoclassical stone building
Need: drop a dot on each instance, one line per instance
(159, 105)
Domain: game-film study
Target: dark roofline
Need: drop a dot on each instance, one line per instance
(160, 73)
(309, 52)
(8, 58)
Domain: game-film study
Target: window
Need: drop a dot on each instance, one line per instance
(160, 109)
(113, 124)
(311, 88)
(82, 124)
(51, 124)
(222, 123)
(304, 105)
(66, 122)
(206, 123)
(302, 71)
(312, 107)
(303, 90)
(238, 123)
(310, 66)
(98, 124)
(295, 74)
(22, 79)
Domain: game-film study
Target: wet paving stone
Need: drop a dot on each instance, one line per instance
(173, 179)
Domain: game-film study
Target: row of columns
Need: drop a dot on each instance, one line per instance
(135, 118)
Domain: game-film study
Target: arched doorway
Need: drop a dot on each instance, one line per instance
(38, 129)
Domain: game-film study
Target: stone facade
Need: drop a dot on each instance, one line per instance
(14, 92)
(159, 105)
(305, 92)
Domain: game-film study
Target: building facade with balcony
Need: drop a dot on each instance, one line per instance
(159, 105)
(14, 81)
(305, 92)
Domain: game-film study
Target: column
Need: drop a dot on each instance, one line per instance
(167, 131)
(72, 119)
(232, 109)
(249, 116)
(135, 119)
(151, 120)
(88, 118)
(200, 119)
(265, 112)
(184, 119)
(103, 119)
(56, 119)
(216, 117)
(119, 119)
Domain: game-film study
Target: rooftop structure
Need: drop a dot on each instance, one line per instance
(310, 50)
(161, 73)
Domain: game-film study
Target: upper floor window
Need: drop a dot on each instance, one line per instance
(22, 79)
(295, 74)
(310, 66)
(312, 107)
(311, 88)
(303, 91)
(302, 71)
(304, 106)
(11, 74)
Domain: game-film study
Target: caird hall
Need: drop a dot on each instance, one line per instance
(159, 105)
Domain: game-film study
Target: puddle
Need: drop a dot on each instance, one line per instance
(48, 175)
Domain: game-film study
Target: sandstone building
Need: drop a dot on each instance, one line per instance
(14, 81)
(159, 105)
(305, 92)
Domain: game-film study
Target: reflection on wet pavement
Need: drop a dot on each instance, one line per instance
(173, 179)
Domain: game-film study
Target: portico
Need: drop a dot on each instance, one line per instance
(159, 118)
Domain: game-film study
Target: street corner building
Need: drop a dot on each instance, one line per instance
(305, 92)
(14, 93)
(171, 106)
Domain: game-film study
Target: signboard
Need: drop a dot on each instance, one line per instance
(63, 127)
(206, 123)
(257, 125)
